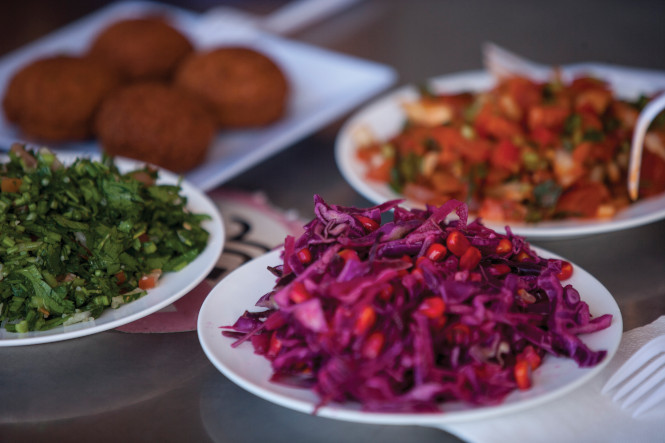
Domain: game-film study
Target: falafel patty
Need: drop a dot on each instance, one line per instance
(156, 123)
(242, 86)
(55, 98)
(146, 48)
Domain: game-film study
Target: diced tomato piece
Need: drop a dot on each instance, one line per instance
(652, 174)
(582, 200)
(507, 155)
(149, 281)
(9, 184)
(381, 171)
(582, 152)
(497, 126)
(477, 150)
(549, 117)
(366, 153)
(121, 277)
(544, 136)
(594, 100)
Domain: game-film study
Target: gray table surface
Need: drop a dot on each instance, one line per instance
(114, 386)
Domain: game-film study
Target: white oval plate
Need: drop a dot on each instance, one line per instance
(171, 286)
(384, 118)
(240, 290)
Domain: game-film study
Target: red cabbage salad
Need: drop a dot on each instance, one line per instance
(418, 311)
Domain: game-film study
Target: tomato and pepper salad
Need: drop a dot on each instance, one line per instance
(522, 151)
(78, 239)
(415, 312)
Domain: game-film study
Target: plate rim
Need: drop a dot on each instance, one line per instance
(379, 193)
(209, 256)
(206, 332)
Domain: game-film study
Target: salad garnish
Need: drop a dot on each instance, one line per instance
(423, 309)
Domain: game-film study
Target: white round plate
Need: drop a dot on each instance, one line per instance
(240, 290)
(384, 118)
(171, 286)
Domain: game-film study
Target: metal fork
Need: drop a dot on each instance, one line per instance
(641, 377)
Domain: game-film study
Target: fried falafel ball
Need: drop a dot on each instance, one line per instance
(157, 123)
(55, 98)
(242, 86)
(147, 48)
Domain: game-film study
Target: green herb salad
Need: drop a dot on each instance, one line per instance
(80, 238)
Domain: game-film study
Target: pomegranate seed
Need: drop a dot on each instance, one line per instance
(369, 224)
(365, 320)
(349, 254)
(432, 307)
(418, 274)
(458, 333)
(566, 271)
(530, 356)
(436, 252)
(275, 345)
(470, 259)
(299, 293)
(526, 296)
(386, 292)
(522, 372)
(440, 322)
(457, 243)
(499, 269)
(420, 259)
(504, 247)
(305, 256)
(373, 345)
(522, 256)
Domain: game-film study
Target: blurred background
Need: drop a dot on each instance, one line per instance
(423, 38)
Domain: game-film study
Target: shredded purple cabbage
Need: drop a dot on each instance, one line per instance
(350, 318)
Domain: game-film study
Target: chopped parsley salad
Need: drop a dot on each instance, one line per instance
(522, 151)
(78, 239)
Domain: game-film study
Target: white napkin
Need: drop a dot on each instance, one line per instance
(585, 415)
